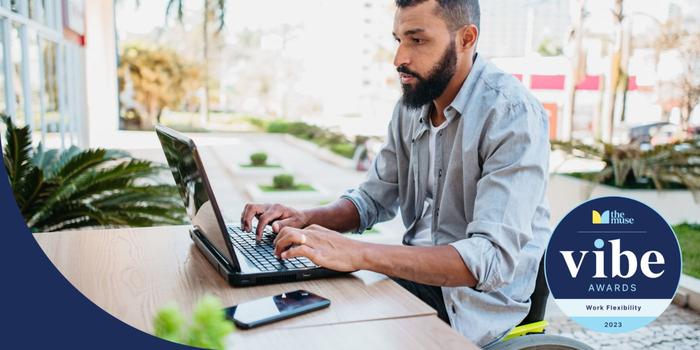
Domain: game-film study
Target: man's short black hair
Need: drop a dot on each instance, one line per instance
(457, 13)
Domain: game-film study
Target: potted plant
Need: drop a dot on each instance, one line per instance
(75, 188)
(666, 177)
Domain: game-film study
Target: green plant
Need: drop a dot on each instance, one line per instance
(689, 239)
(283, 181)
(671, 165)
(82, 188)
(346, 149)
(278, 127)
(258, 159)
(208, 329)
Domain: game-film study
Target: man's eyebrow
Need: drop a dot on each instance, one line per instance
(411, 31)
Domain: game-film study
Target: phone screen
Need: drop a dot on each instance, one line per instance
(265, 310)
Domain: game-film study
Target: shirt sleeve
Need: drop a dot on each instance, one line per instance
(515, 153)
(377, 198)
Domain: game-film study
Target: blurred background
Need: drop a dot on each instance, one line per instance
(290, 100)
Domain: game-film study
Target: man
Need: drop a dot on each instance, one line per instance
(465, 160)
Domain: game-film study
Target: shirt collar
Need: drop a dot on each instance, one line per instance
(460, 100)
(456, 107)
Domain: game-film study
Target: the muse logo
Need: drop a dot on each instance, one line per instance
(611, 217)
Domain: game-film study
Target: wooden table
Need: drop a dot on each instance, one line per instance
(131, 273)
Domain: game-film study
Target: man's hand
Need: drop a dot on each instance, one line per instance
(324, 247)
(279, 215)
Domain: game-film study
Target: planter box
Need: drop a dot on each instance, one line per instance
(688, 294)
(257, 195)
(566, 192)
(256, 172)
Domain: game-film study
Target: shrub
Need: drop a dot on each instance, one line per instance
(278, 127)
(258, 159)
(208, 329)
(346, 150)
(665, 166)
(283, 181)
(60, 190)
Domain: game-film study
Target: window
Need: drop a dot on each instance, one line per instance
(42, 72)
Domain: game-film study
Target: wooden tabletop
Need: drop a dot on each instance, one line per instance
(420, 332)
(131, 273)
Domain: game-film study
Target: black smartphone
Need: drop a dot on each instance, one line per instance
(275, 308)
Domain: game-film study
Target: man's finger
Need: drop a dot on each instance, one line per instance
(283, 232)
(277, 226)
(264, 219)
(251, 210)
(291, 238)
(300, 250)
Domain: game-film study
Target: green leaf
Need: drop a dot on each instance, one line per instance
(208, 329)
(209, 325)
(169, 323)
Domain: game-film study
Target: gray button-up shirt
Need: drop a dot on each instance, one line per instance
(491, 163)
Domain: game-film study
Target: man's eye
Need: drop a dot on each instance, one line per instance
(417, 41)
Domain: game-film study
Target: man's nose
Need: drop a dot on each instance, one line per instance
(401, 58)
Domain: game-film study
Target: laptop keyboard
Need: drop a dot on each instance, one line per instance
(262, 254)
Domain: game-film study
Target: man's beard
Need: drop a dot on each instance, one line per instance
(430, 88)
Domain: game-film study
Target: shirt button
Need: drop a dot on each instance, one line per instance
(454, 311)
(440, 173)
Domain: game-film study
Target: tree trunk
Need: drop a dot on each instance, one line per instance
(613, 79)
(576, 72)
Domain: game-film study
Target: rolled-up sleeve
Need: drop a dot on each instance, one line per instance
(377, 198)
(515, 153)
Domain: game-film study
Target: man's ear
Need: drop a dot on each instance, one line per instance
(467, 37)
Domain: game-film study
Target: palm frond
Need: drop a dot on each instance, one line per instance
(44, 158)
(83, 188)
(79, 162)
(17, 153)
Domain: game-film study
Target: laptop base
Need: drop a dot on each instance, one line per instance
(238, 279)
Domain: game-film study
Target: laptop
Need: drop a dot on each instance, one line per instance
(234, 253)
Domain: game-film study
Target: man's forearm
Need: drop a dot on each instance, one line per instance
(341, 216)
(437, 266)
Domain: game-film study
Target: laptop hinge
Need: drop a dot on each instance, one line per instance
(212, 251)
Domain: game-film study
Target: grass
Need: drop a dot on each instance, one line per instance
(261, 166)
(689, 239)
(299, 187)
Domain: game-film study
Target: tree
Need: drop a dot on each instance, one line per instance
(617, 76)
(676, 37)
(151, 79)
(214, 11)
(578, 67)
(689, 82)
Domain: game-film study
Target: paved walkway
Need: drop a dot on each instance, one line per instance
(677, 328)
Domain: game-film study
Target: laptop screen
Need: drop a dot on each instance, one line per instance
(191, 182)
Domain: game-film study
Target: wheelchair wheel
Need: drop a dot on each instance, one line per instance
(540, 342)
